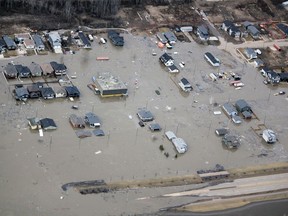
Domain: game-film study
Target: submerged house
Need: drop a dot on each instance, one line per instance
(60, 92)
(167, 60)
(241, 106)
(3, 46)
(34, 91)
(202, 32)
(55, 41)
(72, 91)
(145, 115)
(10, 44)
(76, 121)
(173, 69)
(58, 68)
(185, 85)
(212, 59)
(39, 45)
(21, 94)
(170, 36)
(48, 124)
(47, 93)
(23, 71)
(84, 39)
(35, 69)
(115, 38)
(92, 120)
(47, 69)
(10, 71)
(34, 123)
(161, 37)
(229, 109)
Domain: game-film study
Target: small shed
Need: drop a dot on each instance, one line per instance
(154, 127)
(33, 123)
(76, 121)
(83, 133)
(236, 119)
(241, 106)
(145, 115)
(221, 131)
(98, 132)
(247, 115)
(48, 124)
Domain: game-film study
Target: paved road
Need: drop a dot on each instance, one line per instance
(245, 186)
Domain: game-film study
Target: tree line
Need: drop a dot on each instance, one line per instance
(69, 8)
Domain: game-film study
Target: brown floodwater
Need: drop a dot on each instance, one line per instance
(33, 168)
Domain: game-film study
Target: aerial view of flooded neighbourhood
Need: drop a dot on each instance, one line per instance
(143, 107)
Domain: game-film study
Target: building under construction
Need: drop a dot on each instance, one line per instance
(110, 86)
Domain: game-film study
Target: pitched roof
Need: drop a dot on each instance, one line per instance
(48, 124)
(11, 70)
(91, 118)
(58, 66)
(38, 40)
(253, 30)
(283, 28)
(166, 57)
(72, 90)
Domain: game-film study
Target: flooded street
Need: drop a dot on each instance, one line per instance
(34, 168)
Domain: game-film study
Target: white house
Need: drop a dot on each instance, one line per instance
(55, 41)
(185, 85)
(212, 59)
(167, 60)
